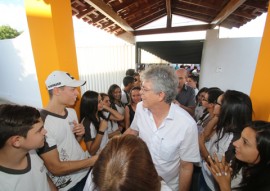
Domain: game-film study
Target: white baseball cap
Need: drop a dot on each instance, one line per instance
(60, 78)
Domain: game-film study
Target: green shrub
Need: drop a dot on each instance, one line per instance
(6, 32)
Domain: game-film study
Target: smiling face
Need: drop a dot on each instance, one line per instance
(149, 97)
(135, 96)
(117, 94)
(246, 147)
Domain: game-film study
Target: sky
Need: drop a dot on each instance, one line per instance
(12, 13)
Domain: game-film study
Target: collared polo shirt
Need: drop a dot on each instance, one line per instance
(186, 97)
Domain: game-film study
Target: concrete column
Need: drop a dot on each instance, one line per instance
(260, 91)
(52, 38)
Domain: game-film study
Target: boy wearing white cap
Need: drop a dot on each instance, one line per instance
(67, 163)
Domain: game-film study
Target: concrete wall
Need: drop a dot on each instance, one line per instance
(229, 63)
(226, 63)
(18, 79)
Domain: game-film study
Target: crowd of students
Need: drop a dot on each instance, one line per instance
(162, 136)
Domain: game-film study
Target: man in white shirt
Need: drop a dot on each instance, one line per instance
(168, 130)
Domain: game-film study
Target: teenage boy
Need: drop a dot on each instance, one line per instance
(21, 132)
(128, 82)
(64, 158)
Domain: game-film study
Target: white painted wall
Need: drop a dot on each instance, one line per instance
(235, 57)
(18, 79)
(229, 63)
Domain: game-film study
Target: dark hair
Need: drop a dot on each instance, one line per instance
(132, 89)
(195, 79)
(89, 108)
(257, 176)
(204, 89)
(235, 114)
(213, 94)
(136, 74)
(16, 120)
(112, 88)
(125, 164)
(130, 72)
(103, 95)
(127, 80)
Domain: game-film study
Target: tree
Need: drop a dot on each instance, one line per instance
(6, 32)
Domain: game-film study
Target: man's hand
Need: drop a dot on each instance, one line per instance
(78, 130)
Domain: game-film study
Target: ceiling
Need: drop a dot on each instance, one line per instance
(124, 18)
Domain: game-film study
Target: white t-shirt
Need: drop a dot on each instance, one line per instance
(120, 109)
(219, 149)
(90, 186)
(112, 125)
(124, 98)
(33, 177)
(176, 139)
(91, 133)
(59, 135)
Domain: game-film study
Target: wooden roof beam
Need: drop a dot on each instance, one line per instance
(174, 29)
(108, 12)
(226, 11)
(169, 13)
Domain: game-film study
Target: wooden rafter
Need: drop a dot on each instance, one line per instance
(173, 29)
(124, 17)
(169, 13)
(228, 9)
(108, 12)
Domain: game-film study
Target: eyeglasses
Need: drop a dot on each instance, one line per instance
(217, 103)
(143, 90)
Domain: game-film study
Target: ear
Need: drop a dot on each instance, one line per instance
(161, 96)
(56, 91)
(15, 141)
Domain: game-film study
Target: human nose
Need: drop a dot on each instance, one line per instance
(236, 143)
(44, 131)
(141, 91)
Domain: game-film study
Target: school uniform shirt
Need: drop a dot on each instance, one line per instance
(219, 148)
(91, 133)
(32, 178)
(112, 125)
(60, 136)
